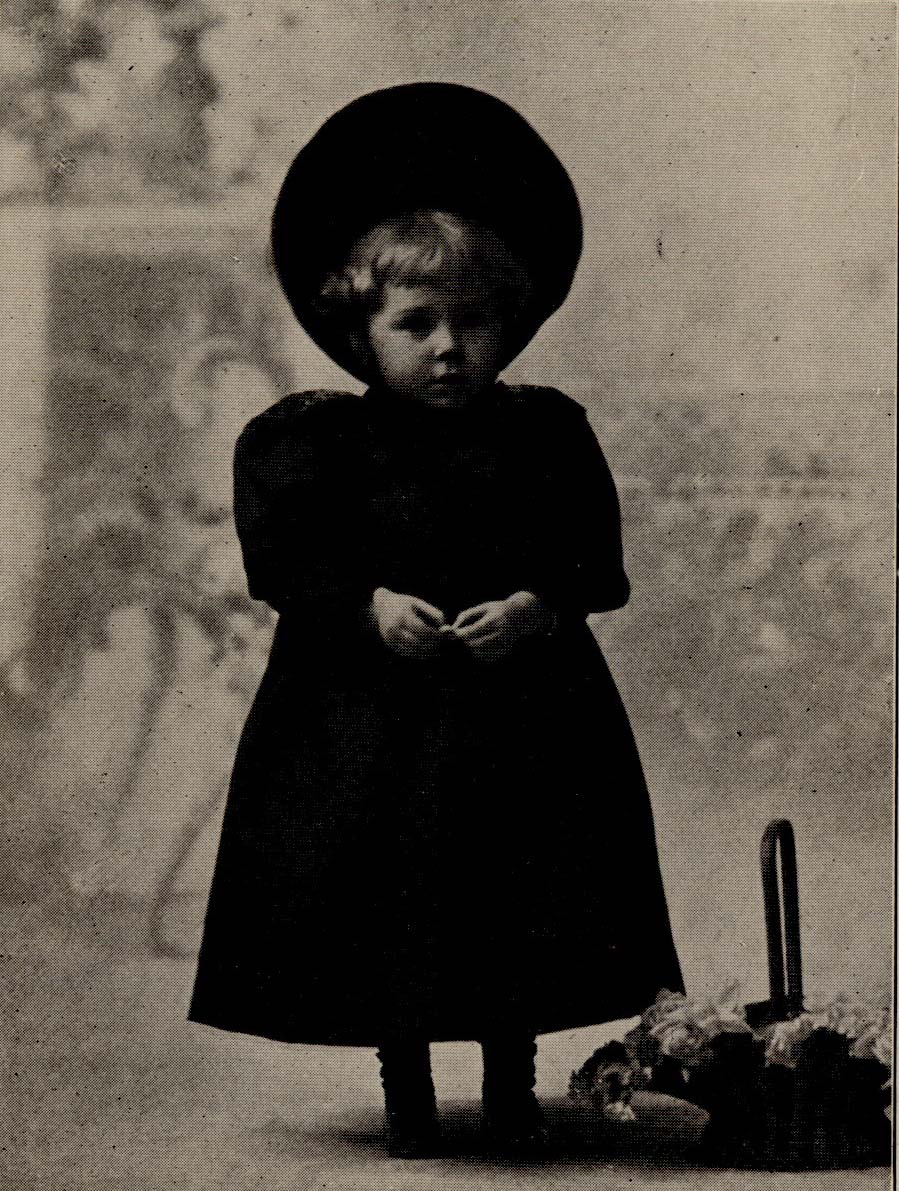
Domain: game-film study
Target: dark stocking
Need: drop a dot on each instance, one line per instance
(510, 1106)
(409, 1101)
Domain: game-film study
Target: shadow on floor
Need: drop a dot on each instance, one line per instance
(664, 1135)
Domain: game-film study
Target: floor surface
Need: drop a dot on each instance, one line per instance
(112, 1090)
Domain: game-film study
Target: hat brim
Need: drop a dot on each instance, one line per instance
(423, 145)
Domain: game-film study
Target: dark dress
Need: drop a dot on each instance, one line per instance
(443, 845)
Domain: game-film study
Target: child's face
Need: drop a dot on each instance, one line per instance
(435, 345)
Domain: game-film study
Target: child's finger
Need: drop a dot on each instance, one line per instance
(487, 623)
(470, 615)
(469, 633)
(427, 612)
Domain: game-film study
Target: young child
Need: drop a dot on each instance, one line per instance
(437, 827)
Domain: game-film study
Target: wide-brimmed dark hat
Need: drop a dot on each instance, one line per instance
(422, 145)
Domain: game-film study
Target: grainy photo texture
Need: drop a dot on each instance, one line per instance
(446, 623)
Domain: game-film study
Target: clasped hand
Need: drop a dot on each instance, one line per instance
(414, 628)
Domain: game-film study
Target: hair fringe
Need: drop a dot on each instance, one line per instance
(426, 247)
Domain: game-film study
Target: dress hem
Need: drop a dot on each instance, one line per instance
(560, 1025)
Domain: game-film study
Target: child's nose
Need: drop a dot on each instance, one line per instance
(444, 340)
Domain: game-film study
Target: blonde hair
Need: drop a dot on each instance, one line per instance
(427, 247)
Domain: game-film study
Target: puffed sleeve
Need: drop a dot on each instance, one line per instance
(585, 571)
(297, 520)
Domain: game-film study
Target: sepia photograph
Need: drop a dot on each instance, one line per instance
(447, 601)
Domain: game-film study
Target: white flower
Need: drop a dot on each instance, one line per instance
(683, 1043)
(785, 1037)
(617, 1110)
(882, 1048)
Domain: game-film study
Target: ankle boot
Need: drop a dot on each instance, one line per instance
(410, 1105)
(512, 1117)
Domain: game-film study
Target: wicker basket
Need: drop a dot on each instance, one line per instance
(828, 1111)
(825, 1114)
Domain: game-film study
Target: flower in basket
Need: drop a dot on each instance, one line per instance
(867, 1031)
(606, 1082)
(677, 1028)
(882, 1051)
(784, 1039)
(863, 1033)
(882, 1047)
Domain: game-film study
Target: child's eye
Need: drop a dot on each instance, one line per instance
(474, 316)
(415, 323)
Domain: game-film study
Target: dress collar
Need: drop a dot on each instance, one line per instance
(407, 408)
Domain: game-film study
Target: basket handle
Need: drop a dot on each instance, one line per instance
(783, 934)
